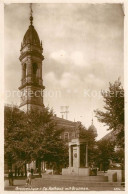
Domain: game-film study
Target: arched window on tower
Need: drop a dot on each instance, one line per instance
(35, 73)
(35, 67)
(24, 71)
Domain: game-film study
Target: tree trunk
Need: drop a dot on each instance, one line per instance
(15, 171)
(39, 166)
(25, 169)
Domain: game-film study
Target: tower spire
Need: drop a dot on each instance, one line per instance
(31, 17)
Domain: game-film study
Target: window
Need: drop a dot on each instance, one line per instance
(24, 71)
(73, 135)
(34, 66)
(66, 135)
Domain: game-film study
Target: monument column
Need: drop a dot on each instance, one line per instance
(78, 156)
(86, 165)
(70, 156)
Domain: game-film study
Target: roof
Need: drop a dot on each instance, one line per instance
(31, 37)
(65, 123)
(110, 136)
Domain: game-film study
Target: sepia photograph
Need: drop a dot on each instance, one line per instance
(64, 97)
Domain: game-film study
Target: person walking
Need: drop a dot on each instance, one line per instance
(10, 176)
(29, 177)
(32, 171)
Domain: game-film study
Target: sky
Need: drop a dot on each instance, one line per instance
(83, 50)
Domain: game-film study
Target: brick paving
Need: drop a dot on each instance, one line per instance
(53, 185)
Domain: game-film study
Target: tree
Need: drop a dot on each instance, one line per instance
(105, 150)
(47, 143)
(33, 136)
(14, 123)
(113, 116)
(119, 156)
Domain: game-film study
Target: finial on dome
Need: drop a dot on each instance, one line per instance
(31, 18)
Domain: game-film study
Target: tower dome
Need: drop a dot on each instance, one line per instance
(31, 37)
(93, 129)
(31, 43)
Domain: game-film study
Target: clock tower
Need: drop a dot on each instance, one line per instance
(31, 59)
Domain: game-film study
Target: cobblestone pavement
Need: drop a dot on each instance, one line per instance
(20, 185)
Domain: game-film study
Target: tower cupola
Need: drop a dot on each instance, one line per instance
(31, 37)
(31, 59)
(93, 129)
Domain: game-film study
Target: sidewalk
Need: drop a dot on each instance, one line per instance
(19, 181)
(20, 185)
